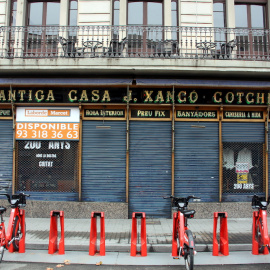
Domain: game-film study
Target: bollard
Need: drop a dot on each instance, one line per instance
(53, 237)
(22, 240)
(264, 238)
(93, 234)
(174, 236)
(223, 250)
(133, 250)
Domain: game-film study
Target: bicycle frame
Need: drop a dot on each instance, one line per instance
(2, 232)
(260, 237)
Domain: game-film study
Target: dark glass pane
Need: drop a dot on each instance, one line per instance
(135, 13)
(257, 16)
(173, 5)
(241, 16)
(35, 16)
(174, 18)
(14, 6)
(154, 13)
(53, 13)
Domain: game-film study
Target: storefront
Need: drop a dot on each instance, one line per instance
(128, 143)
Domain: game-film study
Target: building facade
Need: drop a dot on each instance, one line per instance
(122, 102)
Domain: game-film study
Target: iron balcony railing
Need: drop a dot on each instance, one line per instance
(134, 42)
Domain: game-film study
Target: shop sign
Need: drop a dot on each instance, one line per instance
(191, 114)
(5, 113)
(47, 123)
(242, 115)
(102, 95)
(151, 114)
(109, 113)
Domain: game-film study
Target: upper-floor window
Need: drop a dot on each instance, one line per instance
(73, 12)
(219, 22)
(116, 12)
(249, 16)
(43, 13)
(13, 13)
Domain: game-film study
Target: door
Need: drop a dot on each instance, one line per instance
(150, 168)
(42, 31)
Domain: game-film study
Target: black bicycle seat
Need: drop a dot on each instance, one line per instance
(189, 213)
(2, 209)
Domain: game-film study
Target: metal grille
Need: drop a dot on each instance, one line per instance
(243, 167)
(47, 166)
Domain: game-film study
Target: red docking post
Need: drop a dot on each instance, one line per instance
(134, 251)
(93, 234)
(22, 240)
(264, 238)
(174, 236)
(53, 237)
(223, 250)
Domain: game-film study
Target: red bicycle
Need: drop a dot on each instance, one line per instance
(260, 237)
(182, 236)
(15, 234)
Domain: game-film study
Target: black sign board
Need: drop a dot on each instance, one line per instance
(242, 115)
(110, 113)
(192, 114)
(160, 114)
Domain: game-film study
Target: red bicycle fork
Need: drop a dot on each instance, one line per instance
(262, 214)
(179, 224)
(21, 214)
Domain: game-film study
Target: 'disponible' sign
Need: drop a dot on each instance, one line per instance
(47, 123)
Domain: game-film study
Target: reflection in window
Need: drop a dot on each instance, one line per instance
(13, 13)
(116, 10)
(73, 12)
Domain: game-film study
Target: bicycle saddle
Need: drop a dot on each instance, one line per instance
(2, 209)
(189, 213)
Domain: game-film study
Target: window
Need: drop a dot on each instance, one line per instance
(13, 13)
(116, 12)
(250, 16)
(73, 12)
(141, 14)
(43, 13)
(174, 15)
(219, 22)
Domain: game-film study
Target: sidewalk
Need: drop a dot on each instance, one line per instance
(118, 234)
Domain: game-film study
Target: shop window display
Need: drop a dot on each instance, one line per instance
(243, 168)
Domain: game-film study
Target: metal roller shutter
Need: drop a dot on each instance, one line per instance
(238, 136)
(6, 157)
(104, 161)
(197, 161)
(150, 168)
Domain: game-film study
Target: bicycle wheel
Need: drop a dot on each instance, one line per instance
(1, 253)
(16, 233)
(189, 250)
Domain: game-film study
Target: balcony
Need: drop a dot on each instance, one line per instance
(134, 42)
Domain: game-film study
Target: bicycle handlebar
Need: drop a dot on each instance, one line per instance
(182, 198)
(17, 197)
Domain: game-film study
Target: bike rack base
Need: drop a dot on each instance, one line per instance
(93, 234)
(53, 236)
(134, 251)
(223, 250)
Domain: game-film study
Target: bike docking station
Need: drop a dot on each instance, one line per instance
(93, 250)
(22, 240)
(143, 250)
(53, 236)
(223, 250)
(264, 237)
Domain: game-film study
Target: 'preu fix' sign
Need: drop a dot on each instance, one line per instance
(47, 123)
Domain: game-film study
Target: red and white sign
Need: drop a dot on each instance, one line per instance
(47, 123)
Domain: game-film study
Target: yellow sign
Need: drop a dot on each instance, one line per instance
(242, 178)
